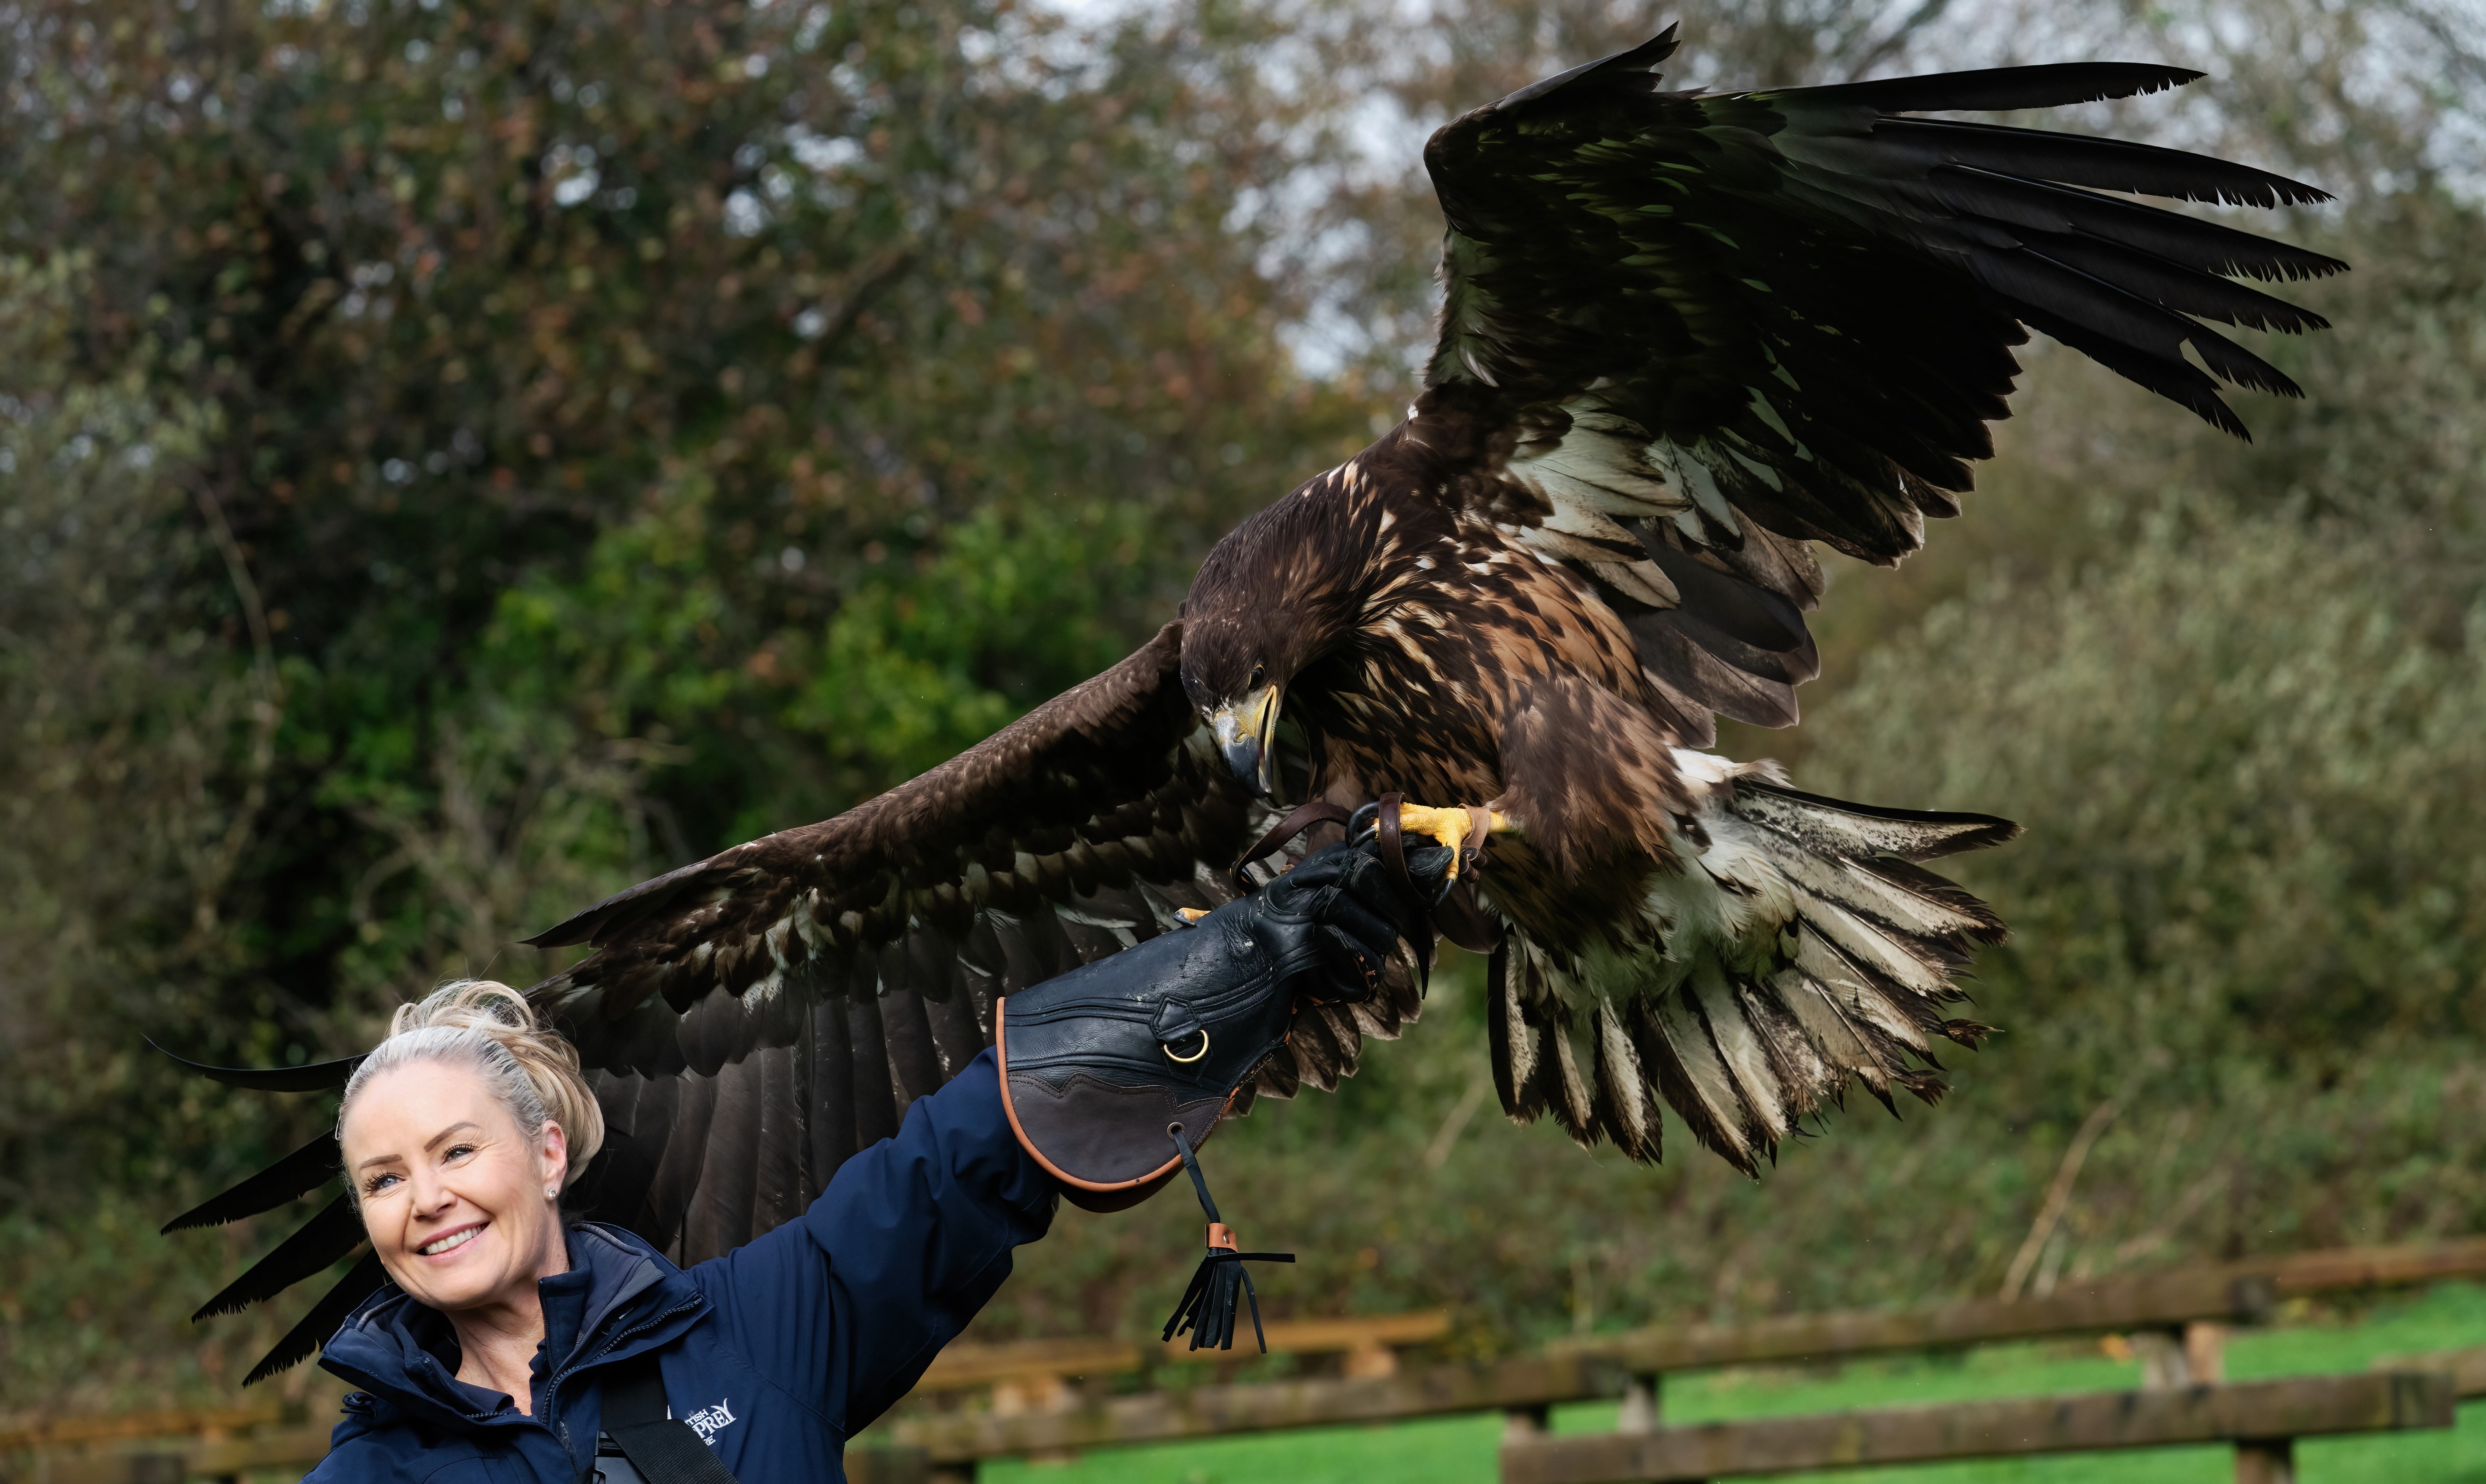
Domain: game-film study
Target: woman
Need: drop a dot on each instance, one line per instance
(510, 1345)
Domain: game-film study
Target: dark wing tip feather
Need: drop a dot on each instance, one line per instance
(646, 896)
(296, 1174)
(1637, 59)
(335, 1232)
(314, 1077)
(1971, 1034)
(313, 1329)
(2099, 162)
(2170, 375)
(2297, 265)
(2002, 88)
(2233, 363)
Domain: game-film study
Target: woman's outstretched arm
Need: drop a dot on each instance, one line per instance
(847, 1304)
(846, 1307)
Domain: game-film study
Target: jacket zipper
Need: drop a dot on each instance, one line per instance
(552, 1389)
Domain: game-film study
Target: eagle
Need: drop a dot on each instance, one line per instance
(1685, 339)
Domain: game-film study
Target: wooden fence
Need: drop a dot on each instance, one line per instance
(1035, 1375)
(2186, 1310)
(2262, 1418)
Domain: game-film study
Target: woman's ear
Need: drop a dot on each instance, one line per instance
(553, 1148)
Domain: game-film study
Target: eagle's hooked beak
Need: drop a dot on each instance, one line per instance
(1247, 732)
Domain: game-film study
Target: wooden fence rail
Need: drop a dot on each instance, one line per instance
(2236, 1293)
(1222, 1411)
(2262, 1418)
(269, 1412)
(1034, 1374)
(2107, 1305)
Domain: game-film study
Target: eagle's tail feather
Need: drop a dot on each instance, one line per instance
(1798, 945)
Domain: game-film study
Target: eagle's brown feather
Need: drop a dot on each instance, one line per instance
(827, 976)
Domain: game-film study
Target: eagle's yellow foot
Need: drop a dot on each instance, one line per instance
(1462, 830)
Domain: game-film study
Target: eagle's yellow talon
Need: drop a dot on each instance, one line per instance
(1452, 827)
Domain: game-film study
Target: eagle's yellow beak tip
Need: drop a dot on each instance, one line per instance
(1245, 731)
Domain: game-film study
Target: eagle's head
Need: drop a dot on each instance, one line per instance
(1277, 594)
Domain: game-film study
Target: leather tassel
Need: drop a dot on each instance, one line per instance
(1219, 1286)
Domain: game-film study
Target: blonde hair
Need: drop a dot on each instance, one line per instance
(532, 1071)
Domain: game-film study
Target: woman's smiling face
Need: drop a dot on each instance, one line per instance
(460, 1203)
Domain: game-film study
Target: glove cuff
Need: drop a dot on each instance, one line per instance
(1096, 1065)
(1087, 1132)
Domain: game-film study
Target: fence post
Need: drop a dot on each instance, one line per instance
(2205, 1352)
(2164, 1364)
(2266, 1461)
(1643, 1405)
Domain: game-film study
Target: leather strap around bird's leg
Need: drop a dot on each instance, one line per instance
(1455, 911)
(1303, 816)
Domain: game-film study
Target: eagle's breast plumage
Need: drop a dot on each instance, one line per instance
(1476, 665)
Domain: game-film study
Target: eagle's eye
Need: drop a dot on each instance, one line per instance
(1259, 674)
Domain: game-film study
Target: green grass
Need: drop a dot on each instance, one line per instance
(1461, 1451)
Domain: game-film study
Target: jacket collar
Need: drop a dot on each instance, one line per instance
(620, 1297)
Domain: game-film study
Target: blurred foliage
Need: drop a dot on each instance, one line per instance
(590, 435)
(2245, 726)
(500, 301)
(135, 743)
(455, 461)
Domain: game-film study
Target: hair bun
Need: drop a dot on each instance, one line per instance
(533, 1070)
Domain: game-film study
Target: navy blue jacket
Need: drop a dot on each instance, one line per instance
(776, 1353)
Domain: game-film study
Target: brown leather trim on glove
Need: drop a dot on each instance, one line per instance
(1099, 1063)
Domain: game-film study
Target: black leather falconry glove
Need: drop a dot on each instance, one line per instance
(1114, 1072)
(1098, 1063)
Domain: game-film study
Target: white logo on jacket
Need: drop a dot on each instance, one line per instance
(708, 1422)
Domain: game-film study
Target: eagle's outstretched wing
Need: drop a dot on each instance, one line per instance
(751, 1020)
(1688, 333)
(1683, 336)
(754, 1018)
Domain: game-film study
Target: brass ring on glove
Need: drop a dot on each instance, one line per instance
(1193, 1057)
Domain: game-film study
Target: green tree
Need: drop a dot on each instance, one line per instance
(468, 288)
(604, 433)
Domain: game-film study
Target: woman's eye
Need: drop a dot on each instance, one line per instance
(458, 1151)
(377, 1183)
